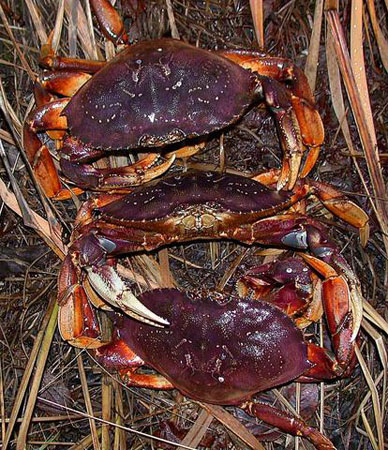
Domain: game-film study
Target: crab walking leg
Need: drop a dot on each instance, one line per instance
(289, 131)
(342, 301)
(342, 207)
(110, 21)
(46, 117)
(86, 176)
(282, 69)
(118, 355)
(336, 289)
(302, 99)
(49, 60)
(131, 378)
(64, 83)
(278, 99)
(288, 423)
(333, 200)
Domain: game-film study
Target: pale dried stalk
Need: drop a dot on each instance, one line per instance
(120, 442)
(373, 316)
(57, 31)
(44, 349)
(257, 12)
(371, 151)
(41, 226)
(36, 20)
(2, 405)
(88, 403)
(171, 19)
(233, 425)
(382, 42)
(375, 399)
(311, 66)
(106, 410)
(358, 65)
(339, 107)
(198, 430)
(82, 28)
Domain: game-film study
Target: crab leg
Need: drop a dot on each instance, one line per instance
(281, 69)
(77, 320)
(342, 301)
(343, 208)
(74, 152)
(110, 21)
(288, 423)
(279, 101)
(332, 199)
(54, 62)
(64, 83)
(45, 117)
(149, 381)
(302, 101)
(49, 60)
(118, 355)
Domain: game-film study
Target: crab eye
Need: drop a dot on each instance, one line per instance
(96, 213)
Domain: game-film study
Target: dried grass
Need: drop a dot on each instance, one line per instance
(68, 401)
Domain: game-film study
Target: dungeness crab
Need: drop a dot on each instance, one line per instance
(213, 347)
(157, 93)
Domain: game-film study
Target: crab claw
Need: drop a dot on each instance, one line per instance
(119, 178)
(107, 283)
(77, 320)
(293, 149)
(342, 301)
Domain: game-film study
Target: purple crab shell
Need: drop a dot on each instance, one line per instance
(218, 348)
(229, 193)
(159, 92)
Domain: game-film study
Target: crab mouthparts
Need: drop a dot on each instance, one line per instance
(108, 284)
